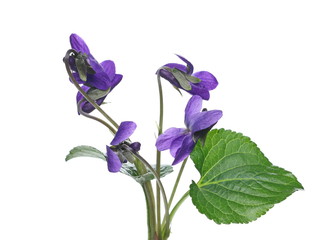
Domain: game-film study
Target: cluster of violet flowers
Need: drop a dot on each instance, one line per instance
(95, 80)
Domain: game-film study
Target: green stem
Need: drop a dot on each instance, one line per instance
(85, 95)
(150, 202)
(160, 185)
(94, 118)
(176, 183)
(172, 214)
(174, 191)
(158, 155)
(178, 204)
(150, 209)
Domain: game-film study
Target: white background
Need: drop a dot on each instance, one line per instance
(263, 53)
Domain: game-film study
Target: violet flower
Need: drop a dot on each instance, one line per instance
(181, 141)
(99, 75)
(120, 151)
(199, 83)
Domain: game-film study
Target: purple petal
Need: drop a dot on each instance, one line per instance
(193, 106)
(203, 120)
(125, 130)
(72, 63)
(200, 91)
(190, 67)
(208, 80)
(116, 80)
(88, 107)
(169, 77)
(78, 44)
(85, 105)
(98, 80)
(177, 144)
(165, 140)
(109, 68)
(95, 64)
(77, 78)
(114, 164)
(185, 150)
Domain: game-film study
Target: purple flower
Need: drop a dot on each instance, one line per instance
(181, 141)
(180, 76)
(120, 151)
(101, 76)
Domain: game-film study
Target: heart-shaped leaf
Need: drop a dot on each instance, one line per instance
(238, 184)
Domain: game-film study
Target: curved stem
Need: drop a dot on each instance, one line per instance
(160, 185)
(85, 95)
(176, 183)
(158, 153)
(95, 118)
(176, 207)
(178, 204)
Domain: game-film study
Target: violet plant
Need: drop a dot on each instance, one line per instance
(237, 182)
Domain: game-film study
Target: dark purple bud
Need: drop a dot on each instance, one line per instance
(136, 146)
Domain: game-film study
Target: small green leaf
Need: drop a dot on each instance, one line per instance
(192, 78)
(180, 77)
(85, 151)
(238, 184)
(129, 169)
(177, 89)
(82, 66)
(96, 94)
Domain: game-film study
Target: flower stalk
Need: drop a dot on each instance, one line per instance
(176, 183)
(162, 191)
(158, 153)
(172, 213)
(150, 201)
(93, 117)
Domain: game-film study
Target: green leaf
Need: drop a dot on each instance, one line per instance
(180, 77)
(238, 184)
(96, 94)
(177, 89)
(82, 66)
(192, 78)
(85, 151)
(129, 169)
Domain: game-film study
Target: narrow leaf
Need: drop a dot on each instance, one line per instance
(82, 66)
(238, 184)
(180, 76)
(85, 151)
(192, 78)
(129, 169)
(96, 94)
